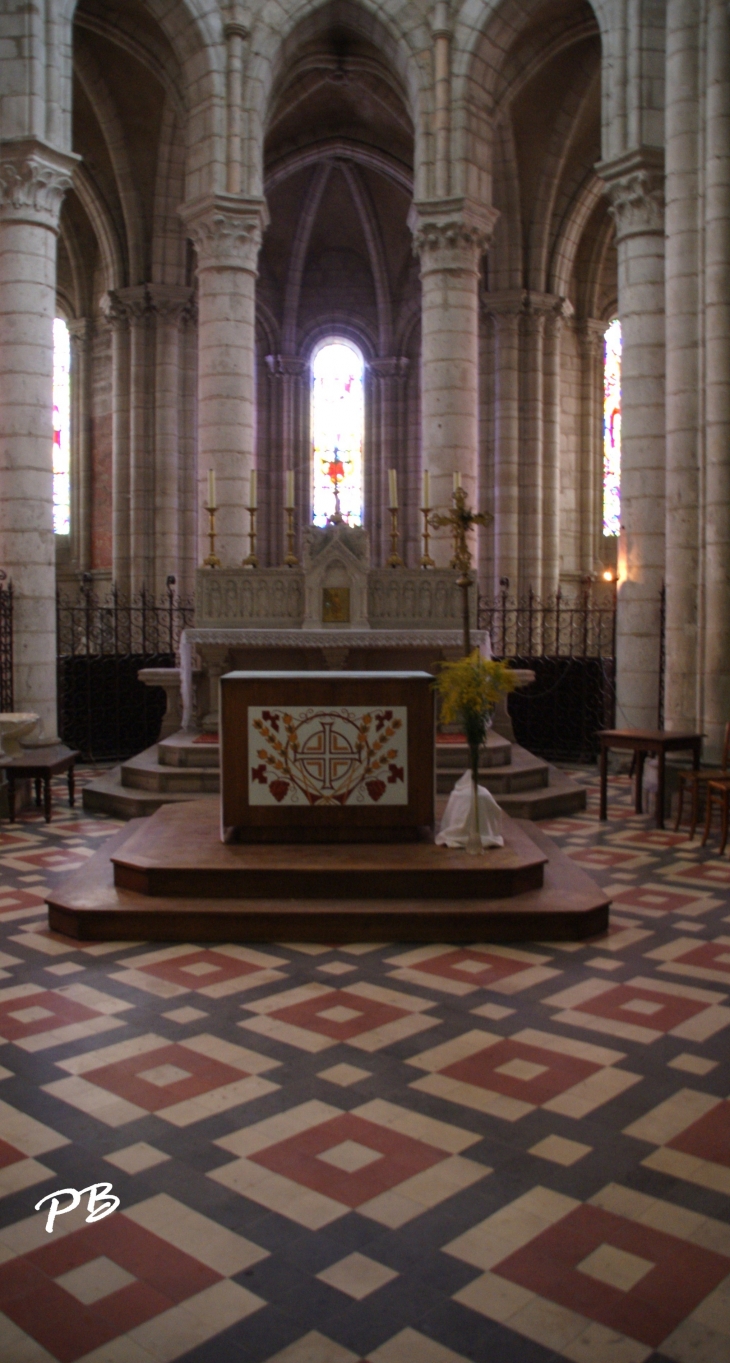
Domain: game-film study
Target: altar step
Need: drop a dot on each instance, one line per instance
(179, 769)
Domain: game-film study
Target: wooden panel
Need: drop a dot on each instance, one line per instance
(411, 690)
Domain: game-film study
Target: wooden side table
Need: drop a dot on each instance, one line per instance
(657, 742)
(40, 765)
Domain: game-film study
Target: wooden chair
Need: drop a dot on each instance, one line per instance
(695, 779)
(718, 793)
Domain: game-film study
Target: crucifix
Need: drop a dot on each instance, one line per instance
(460, 520)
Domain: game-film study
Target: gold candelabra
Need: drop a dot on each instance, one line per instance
(425, 560)
(251, 561)
(460, 520)
(212, 561)
(290, 559)
(395, 560)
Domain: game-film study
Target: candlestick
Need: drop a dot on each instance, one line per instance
(393, 490)
(290, 558)
(425, 560)
(457, 483)
(211, 490)
(212, 561)
(253, 492)
(251, 561)
(426, 491)
(395, 560)
(289, 503)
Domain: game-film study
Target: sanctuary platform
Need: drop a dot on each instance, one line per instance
(171, 878)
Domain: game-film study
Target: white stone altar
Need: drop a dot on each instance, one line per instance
(333, 612)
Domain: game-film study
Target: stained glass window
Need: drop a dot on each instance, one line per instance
(61, 428)
(612, 429)
(337, 431)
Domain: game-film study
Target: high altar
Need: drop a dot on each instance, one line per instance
(334, 611)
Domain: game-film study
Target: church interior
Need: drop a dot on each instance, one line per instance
(349, 350)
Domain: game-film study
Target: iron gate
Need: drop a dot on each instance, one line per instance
(103, 708)
(570, 644)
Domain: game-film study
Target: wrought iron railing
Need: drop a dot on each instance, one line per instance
(103, 708)
(569, 642)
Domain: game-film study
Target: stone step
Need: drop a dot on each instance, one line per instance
(181, 750)
(561, 796)
(525, 772)
(106, 795)
(145, 772)
(496, 752)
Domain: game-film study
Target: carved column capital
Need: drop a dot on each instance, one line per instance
(226, 230)
(79, 331)
(33, 181)
(591, 332)
(634, 184)
(286, 366)
(392, 367)
(170, 302)
(451, 233)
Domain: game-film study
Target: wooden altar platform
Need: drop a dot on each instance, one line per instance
(485, 903)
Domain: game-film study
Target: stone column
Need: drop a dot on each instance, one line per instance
(169, 304)
(450, 237)
(81, 491)
(682, 366)
(591, 344)
(551, 446)
(387, 451)
(135, 301)
(634, 183)
(226, 231)
(717, 377)
(531, 472)
(286, 452)
(33, 181)
(116, 318)
(505, 311)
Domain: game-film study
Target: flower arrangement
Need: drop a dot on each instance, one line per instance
(470, 690)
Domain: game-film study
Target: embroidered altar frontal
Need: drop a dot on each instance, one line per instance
(329, 756)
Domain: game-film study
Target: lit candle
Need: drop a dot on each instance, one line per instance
(457, 482)
(393, 489)
(426, 490)
(290, 489)
(211, 488)
(252, 491)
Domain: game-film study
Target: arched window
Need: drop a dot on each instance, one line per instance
(337, 430)
(61, 428)
(612, 429)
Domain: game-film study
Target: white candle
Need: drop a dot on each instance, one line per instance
(426, 490)
(393, 489)
(290, 488)
(457, 482)
(211, 488)
(252, 491)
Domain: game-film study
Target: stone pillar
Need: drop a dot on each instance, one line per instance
(226, 231)
(387, 450)
(236, 31)
(634, 183)
(169, 304)
(81, 490)
(450, 237)
(285, 452)
(505, 312)
(532, 473)
(551, 447)
(591, 344)
(33, 181)
(717, 377)
(681, 697)
(116, 318)
(141, 436)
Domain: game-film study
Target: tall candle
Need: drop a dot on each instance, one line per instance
(290, 488)
(457, 482)
(211, 488)
(426, 490)
(252, 491)
(393, 489)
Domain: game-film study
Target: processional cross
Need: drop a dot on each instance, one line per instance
(460, 520)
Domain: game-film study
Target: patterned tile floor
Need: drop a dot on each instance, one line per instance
(394, 1154)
